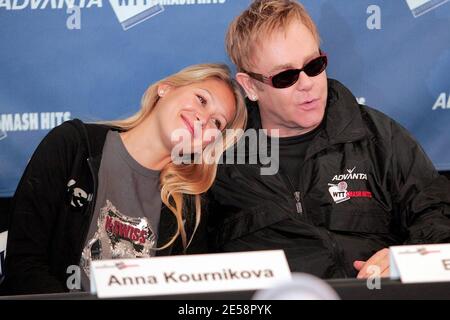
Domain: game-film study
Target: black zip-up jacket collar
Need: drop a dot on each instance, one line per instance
(53, 208)
(365, 184)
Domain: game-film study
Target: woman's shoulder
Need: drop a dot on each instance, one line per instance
(75, 132)
(64, 133)
(78, 129)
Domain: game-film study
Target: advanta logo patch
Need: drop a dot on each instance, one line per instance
(350, 175)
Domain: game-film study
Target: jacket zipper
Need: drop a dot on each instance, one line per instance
(298, 203)
(330, 239)
(301, 211)
(296, 193)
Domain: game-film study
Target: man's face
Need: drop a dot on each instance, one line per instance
(300, 108)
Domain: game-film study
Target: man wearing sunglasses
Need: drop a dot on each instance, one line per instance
(352, 182)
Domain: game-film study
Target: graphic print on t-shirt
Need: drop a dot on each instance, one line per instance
(118, 236)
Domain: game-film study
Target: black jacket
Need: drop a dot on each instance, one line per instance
(47, 233)
(365, 185)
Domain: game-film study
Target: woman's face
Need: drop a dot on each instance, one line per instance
(191, 116)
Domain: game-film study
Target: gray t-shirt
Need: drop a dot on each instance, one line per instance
(127, 209)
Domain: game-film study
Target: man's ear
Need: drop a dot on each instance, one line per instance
(247, 83)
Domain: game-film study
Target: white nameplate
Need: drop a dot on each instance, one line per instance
(188, 274)
(420, 263)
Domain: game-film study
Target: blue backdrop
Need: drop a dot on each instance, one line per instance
(93, 59)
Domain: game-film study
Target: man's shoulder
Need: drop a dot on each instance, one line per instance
(344, 95)
(374, 120)
(379, 121)
(375, 115)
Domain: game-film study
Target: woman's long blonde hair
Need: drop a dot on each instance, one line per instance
(178, 180)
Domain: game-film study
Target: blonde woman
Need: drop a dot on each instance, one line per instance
(113, 190)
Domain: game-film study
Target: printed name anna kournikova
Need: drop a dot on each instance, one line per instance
(226, 309)
(173, 277)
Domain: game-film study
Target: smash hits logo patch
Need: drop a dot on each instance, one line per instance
(339, 191)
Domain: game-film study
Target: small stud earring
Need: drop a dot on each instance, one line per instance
(161, 93)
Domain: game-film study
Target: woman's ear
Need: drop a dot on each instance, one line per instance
(163, 88)
(247, 83)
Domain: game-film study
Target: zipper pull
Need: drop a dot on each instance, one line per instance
(298, 204)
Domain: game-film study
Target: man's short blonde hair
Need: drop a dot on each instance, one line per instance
(260, 20)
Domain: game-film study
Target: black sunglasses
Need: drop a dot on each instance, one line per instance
(287, 78)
